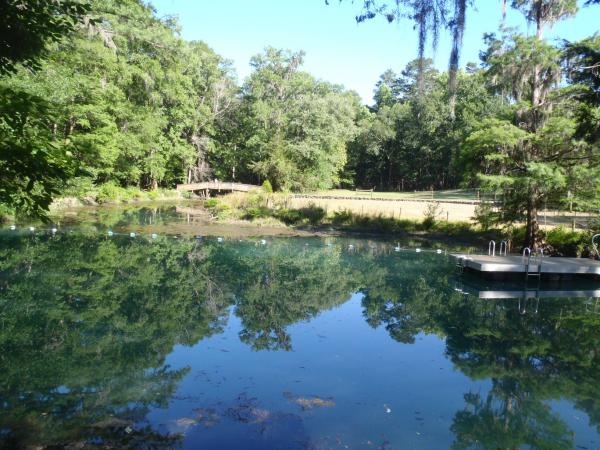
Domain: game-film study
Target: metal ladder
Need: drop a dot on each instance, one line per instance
(537, 257)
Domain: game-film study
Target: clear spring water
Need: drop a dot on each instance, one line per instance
(290, 343)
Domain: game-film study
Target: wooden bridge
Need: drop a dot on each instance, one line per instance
(207, 186)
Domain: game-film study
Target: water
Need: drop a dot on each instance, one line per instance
(294, 343)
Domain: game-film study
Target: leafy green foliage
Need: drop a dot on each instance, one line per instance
(27, 27)
(34, 163)
(267, 187)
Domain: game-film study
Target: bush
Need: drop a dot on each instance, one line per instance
(110, 192)
(565, 242)
(211, 203)
(133, 193)
(6, 213)
(314, 214)
(256, 213)
(267, 187)
(255, 199)
(485, 216)
(344, 217)
(153, 195)
(431, 213)
(78, 187)
(289, 216)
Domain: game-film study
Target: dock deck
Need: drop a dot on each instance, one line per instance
(513, 264)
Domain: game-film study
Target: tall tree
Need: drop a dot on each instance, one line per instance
(533, 152)
(33, 162)
(298, 127)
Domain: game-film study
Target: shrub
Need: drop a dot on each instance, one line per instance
(132, 193)
(289, 216)
(256, 213)
(567, 242)
(314, 214)
(344, 217)
(211, 203)
(267, 187)
(485, 216)
(153, 195)
(78, 187)
(255, 199)
(6, 213)
(110, 192)
(431, 213)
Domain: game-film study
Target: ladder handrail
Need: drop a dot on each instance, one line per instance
(503, 245)
(527, 251)
(492, 248)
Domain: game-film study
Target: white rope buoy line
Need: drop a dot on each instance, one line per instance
(350, 247)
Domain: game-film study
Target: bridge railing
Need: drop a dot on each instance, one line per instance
(216, 185)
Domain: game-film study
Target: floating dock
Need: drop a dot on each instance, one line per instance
(554, 267)
(527, 294)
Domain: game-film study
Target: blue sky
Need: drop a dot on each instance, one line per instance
(337, 48)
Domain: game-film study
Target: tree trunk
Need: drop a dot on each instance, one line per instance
(532, 233)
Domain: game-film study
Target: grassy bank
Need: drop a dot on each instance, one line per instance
(274, 209)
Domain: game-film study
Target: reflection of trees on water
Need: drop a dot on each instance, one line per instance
(86, 325)
(285, 285)
(548, 353)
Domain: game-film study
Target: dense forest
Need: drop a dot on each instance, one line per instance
(108, 93)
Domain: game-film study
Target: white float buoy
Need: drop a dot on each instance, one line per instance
(13, 227)
(263, 242)
(219, 239)
(110, 233)
(54, 230)
(438, 251)
(31, 229)
(132, 234)
(418, 250)
(154, 235)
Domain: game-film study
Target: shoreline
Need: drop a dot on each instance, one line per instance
(194, 217)
(197, 220)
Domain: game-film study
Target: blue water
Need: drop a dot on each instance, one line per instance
(308, 343)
